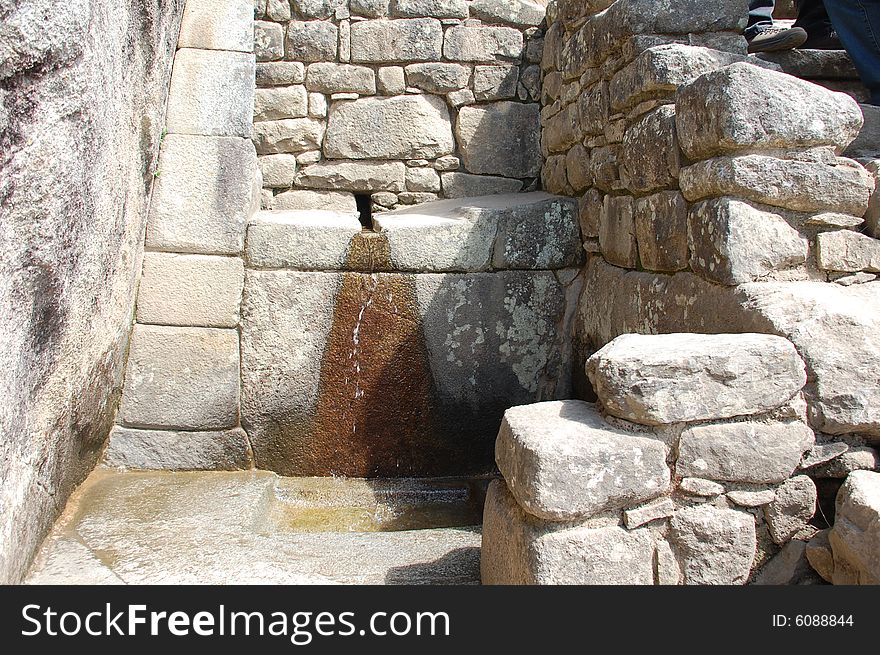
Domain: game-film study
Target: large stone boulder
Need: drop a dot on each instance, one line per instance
(670, 378)
(519, 549)
(744, 107)
(561, 461)
(501, 138)
(855, 537)
(400, 127)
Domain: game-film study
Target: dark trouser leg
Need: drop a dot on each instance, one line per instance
(760, 16)
(813, 17)
(858, 24)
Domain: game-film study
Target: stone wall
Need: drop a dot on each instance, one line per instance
(82, 101)
(715, 196)
(404, 101)
(689, 470)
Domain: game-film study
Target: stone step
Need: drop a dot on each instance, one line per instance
(532, 231)
(242, 528)
(867, 143)
(813, 64)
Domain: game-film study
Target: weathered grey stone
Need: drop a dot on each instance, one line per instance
(751, 498)
(464, 185)
(211, 94)
(447, 163)
(288, 136)
(433, 8)
(495, 82)
(299, 199)
(857, 458)
(540, 232)
(369, 8)
(280, 73)
(468, 357)
(178, 451)
(281, 102)
(392, 81)
(714, 546)
(577, 168)
(561, 461)
(318, 107)
(617, 232)
(416, 197)
(563, 130)
(307, 240)
(268, 41)
(856, 530)
(311, 41)
(732, 242)
(788, 567)
(848, 251)
(657, 509)
(190, 290)
(819, 555)
(751, 107)
(402, 127)
(701, 487)
(464, 43)
(797, 185)
(521, 13)
(437, 77)
(661, 228)
(250, 527)
(502, 138)
(317, 8)
(354, 176)
(649, 158)
(823, 452)
(519, 549)
(425, 180)
(865, 145)
(460, 98)
(84, 87)
(340, 78)
(278, 171)
(593, 109)
(203, 195)
(671, 378)
(185, 378)
(743, 452)
(589, 213)
(405, 40)
(658, 71)
(554, 177)
(217, 25)
(792, 509)
(811, 64)
(278, 10)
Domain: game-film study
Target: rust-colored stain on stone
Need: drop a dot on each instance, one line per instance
(375, 412)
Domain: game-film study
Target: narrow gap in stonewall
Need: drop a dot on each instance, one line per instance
(365, 210)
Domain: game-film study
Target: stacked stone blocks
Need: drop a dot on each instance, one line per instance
(407, 101)
(180, 405)
(687, 471)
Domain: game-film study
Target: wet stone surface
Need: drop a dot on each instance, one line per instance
(256, 528)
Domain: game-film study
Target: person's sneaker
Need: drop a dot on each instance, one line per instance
(773, 39)
(824, 40)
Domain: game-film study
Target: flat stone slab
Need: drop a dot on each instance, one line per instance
(671, 378)
(562, 461)
(226, 450)
(400, 127)
(203, 195)
(212, 93)
(218, 25)
(509, 231)
(308, 240)
(190, 290)
(184, 378)
(238, 528)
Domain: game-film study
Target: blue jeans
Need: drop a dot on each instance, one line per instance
(858, 25)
